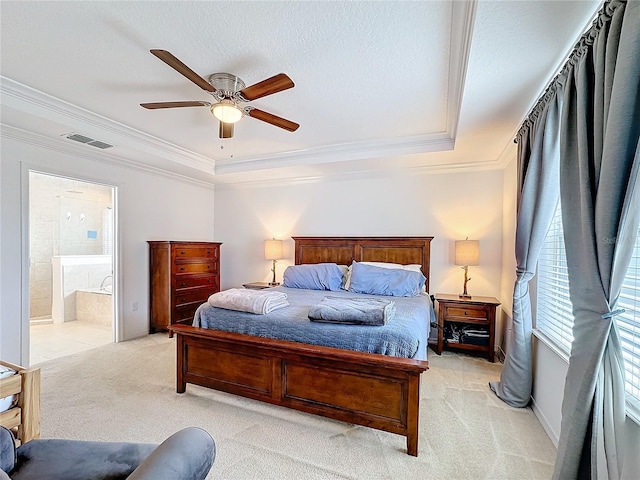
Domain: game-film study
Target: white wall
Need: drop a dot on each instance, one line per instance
(149, 207)
(446, 206)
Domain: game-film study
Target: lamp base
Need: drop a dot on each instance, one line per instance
(464, 295)
(274, 284)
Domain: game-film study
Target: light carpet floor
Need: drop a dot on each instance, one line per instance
(126, 392)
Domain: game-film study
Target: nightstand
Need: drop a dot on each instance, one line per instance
(257, 285)
(466, 324)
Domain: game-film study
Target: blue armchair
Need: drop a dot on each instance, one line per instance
(186, 455)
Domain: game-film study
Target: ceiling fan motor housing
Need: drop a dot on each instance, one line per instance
(227, 83)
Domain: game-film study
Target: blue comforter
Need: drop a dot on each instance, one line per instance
(405, 335)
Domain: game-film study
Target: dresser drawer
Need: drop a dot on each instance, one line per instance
(188, 254)
(209, 267)
(184, 313)
(467, 312)
(192, 295)
(193, 281)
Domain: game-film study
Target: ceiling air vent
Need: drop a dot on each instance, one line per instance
(99, 144)
(89, 141)
(79, 138)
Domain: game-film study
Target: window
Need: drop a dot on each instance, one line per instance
(554, 312)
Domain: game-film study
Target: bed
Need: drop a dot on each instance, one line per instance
(370, 389)
(20, 393)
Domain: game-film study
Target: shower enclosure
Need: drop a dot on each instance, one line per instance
(71, 237)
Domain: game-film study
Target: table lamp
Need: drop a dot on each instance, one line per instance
(467, 253)
(273, 251)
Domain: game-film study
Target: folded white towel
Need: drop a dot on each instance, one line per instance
(245, 300)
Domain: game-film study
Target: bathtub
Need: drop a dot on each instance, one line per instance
(94, 305)
(75, 273)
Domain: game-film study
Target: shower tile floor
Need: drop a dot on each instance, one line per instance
(50, 340)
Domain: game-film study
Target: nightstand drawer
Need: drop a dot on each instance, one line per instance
(469, 312)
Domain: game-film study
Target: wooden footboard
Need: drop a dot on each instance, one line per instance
(24, 418)
(373, 390)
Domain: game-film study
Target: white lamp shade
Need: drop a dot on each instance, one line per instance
(467, 252)
(273, 249)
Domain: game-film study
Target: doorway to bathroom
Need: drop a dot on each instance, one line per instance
(71, 260)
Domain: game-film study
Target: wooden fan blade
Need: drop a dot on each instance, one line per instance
(226, 130)
(152, 106)
(180, 67)
(273, 119)
(272, 85)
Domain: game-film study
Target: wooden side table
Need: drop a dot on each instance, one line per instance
(466, 324)
(257, 285)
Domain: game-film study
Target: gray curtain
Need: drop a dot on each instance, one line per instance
(538, 145)
(599, 184)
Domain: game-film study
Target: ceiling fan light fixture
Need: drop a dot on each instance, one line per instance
(226, 111)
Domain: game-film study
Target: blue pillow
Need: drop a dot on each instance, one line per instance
(385, 281)
(318, 276)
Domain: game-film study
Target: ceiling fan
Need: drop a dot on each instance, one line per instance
(229, 93)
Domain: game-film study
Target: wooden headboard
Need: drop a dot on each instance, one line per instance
(343, 250)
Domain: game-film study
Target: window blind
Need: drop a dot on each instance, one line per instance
(555, 316)
(554, 312)
(629, 322)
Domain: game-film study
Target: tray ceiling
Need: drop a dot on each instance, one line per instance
(379, 85)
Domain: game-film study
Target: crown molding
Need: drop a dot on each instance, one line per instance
(463, 16)
(88, 153)
(508, 154)
(34, 102)
(429, 169)
(339, 153)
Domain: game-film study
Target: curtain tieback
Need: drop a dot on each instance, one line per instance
(613, 314)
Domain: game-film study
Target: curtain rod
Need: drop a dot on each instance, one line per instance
(593, 21)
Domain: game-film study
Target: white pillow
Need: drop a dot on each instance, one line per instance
(412, 267)
(346, 273)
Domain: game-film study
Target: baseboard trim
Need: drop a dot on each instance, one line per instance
(553, 435)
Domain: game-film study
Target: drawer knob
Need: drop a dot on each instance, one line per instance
(184, 284)
(466, 313)
(183, 253)
(182, 268)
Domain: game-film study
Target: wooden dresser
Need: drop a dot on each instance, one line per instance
(182, 275)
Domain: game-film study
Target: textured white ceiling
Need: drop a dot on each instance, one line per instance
(374, 80)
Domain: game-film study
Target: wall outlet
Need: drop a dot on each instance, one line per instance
(134, 307)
